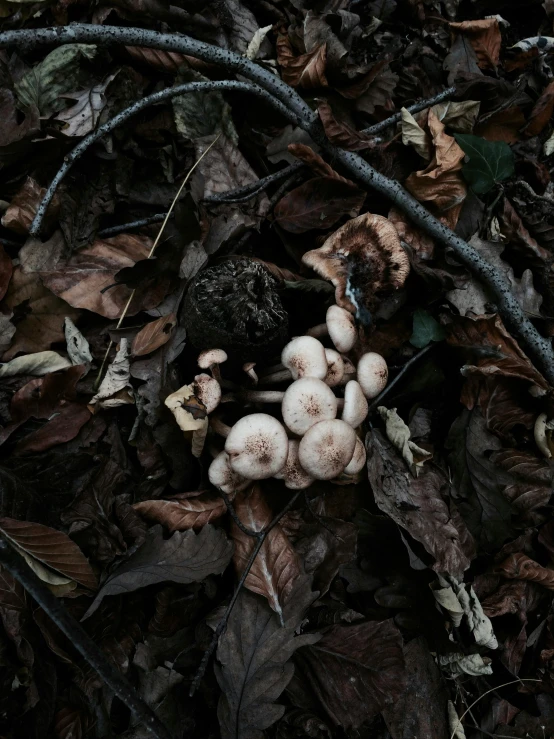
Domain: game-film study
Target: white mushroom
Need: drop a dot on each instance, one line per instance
(257, 446)
(326, 449)
(341, 327)
(358, 459)
(211, 359)
(223, 477)
(373, 374)
(356, 406)
(335, 368)
(307, 401)
(208, 391)
(248, 367)
(292, 473)
(304, 356)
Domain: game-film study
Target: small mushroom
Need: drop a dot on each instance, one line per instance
(307, 401)
(326, 448)
(251, 372)
(364, 260)
(335, 368)
(208, 391)
(355, 404)
(223, 477)
(304, 356)
(257, 446)
(211, 359)
(358, 459)
(292, 473)
(341, 327)
(373, 374)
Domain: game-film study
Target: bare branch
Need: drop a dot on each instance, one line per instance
(241, 194)
(444, 95)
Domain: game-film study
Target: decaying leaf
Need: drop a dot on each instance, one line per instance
(77, 346)
(183, 512)
(457, 663)
(399, 434)
(23, 207)
(153, 335)
(38, 364)
(484, 36)
(306, 70)
(520, 567)
(460, 601)
(116, 389)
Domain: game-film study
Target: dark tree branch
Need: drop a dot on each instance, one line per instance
(105, 233)
(444, 95)
(383, 394)
(20, 571)
(241, 194)
(539, 349)
(220, 628)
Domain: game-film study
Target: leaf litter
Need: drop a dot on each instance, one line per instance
(384, 600)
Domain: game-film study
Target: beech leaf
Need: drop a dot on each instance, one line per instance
(182, 512)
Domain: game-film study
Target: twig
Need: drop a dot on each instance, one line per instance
(220, 628)
(379, 399)
(539, 349)
(240, 194)
(278, 194)
(132, 110)
(444, 95)
(20, 571)
(105, 233)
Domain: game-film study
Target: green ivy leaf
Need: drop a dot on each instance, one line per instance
(489, 163)
(425, 329)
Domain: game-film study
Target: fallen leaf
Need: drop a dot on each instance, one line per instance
(456, 664)
(339, 132)
(461, 602)
(414, 135)
(318, 203)
(520, 567)
(461, 60)
(484, 36)
(277, 568)
(542, 112)
(425, 330)
(183, 512)
(354, 661)
(458, 116)
(199, 114)
(116, 389)
(257, 40)
(316, 163)
(399, 434)
(163, 61)
(37, 364)
(12, 128)
(254, 664)
(153, 335)
(23, 207)
(490, 162)
(82, 117)
(51, 548)
(531, 485)
(184, 558)
(504, 126)
(306, 70)
(77, 346)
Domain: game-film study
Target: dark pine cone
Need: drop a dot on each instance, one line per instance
(235, 306)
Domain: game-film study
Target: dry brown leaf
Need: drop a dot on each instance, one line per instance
(307, 70)
(484, 36)
(502, 126)
(182, 512)
(541, 113)
(43, 320)
(277, 566)
(521, 567)
(51, 548)
(339, 132)
(153, 335)
(532, 486)
(316, 163)
(23, 207)
(159, 59)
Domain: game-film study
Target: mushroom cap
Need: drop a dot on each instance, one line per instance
(367, 246)
(257, 446)
(306, 402)
(305, 357)
(292, 473)
(209, 357)
(373, 374)
(326, 448)
(223, 477)
(341, 327)
(208, 391)
(358, 459)
(335, 368)
(355, 404)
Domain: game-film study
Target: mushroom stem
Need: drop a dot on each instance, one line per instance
(263, 396)
(283, 375)
(216, 373)
(217, 426)
(318, 331)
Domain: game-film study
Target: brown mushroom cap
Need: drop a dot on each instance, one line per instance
(292, 473)
(304, 356)
(373, 374)
(373, 243)
(341, 328)
(326, 449)
(209, 357)
(223, 477)
(355, 404)
(358, 459)
(257, 446)
(335, 368)
(306, 402)
(208, 391)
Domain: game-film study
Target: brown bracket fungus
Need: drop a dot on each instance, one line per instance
(257, 446)
(327, 448)
(307, 401)
(364, 260)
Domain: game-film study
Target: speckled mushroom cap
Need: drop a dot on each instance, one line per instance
(304, 356)
(292, 473)
(370, 246)
(208, 358)
(208, 391)
(257, 446)
(335, 368)
(342, 331)
(326, 448)
(355, 404)
(373, 374)
(306, 402)
(358, 459)
(223, 477)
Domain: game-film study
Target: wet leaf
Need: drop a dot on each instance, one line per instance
(183, 512)
(199, 114)
(23, 207)
(490, 162)
(153, 335)
(426, 329)
(306, 70)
